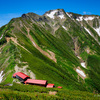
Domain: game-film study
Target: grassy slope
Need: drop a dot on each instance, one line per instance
(48, 70)
(63, 72)
(93, 71)
(28, 92)
(43, 67)
(7, 61)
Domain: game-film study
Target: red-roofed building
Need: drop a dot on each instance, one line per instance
(21, 76)
(36, 82)
(50, 85)
(59, 87)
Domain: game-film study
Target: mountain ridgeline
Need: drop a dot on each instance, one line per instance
(62, 48)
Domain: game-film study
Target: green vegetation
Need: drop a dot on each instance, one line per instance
(8, 62)
(95, 23)
(67, 45)
(27, 92)
(53, 73)
(94, 67)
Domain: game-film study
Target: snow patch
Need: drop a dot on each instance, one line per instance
(88, 31)
(92, 35)
(61, 16)
(85, 18)
(69, 15)
(1, 76)
(1, 36)
(83, 64)
(81, 72)
(88, 18)
(80, 18)
(64, 27)
(79, 57)
(97, 30)
(51, 15)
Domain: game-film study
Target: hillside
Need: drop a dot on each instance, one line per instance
(29, 92)
(60, 47)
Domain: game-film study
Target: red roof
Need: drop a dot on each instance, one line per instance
(33, 81)
(14, 75)
(59, 87)
(50, 85)
(20, 74)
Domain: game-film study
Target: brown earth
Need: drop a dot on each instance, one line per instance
(15, 41)
(52, 92)
(51, 55)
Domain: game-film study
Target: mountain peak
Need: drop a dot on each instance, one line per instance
(56, 13)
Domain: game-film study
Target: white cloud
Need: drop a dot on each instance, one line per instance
(84, 12)
(88, 13)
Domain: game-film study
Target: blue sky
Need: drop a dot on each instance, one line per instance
(15, 8)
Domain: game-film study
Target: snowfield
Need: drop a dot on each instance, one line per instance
(88, 18)
(64, 27)
(97, 30)
(51, 15)
(80, 18)
(1, 36)
(85, 18)
(81, 72)
(61, 16)
(69, 15)
(92, 35)
(88, 31)
(83, 64)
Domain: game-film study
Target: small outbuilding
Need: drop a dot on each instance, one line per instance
(36, 82)
(59, 87)
(50, 85)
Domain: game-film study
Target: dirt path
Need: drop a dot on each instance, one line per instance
(51, 55)
(52, 92)
(15, 41)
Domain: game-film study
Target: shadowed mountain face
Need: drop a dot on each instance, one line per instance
(63, 48)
